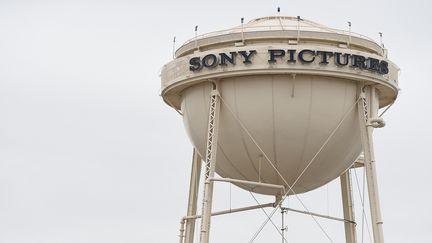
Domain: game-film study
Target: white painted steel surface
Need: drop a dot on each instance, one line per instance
(289, 119)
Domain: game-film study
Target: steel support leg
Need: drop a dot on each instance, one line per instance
(193, 197)
(365, 113)
(348, 207)
(210, 163)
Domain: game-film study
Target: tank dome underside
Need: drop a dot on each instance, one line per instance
(289, 119)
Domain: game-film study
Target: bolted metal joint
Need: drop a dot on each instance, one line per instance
(377, 122)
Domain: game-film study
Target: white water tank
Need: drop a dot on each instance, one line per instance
(286, 108)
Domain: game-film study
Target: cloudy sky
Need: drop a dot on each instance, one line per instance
(90, 153)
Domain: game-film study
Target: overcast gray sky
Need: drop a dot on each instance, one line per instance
(90, 153)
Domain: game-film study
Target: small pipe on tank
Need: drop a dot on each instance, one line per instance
(230, 211)
(253, 183)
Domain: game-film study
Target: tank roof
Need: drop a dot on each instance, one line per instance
(282, 28)
(282, 23)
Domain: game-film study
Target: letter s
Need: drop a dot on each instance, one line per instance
(383, 67)
(195, 64)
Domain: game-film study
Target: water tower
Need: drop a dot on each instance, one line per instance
(280, 106)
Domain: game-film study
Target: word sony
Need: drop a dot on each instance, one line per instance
(304, 56)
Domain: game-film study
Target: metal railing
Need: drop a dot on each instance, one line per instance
(312, 27)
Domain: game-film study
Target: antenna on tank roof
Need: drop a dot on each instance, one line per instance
(298, 28)
(196, 37)
(380, 34)
(173, 50)
(382, 44)
(242, 33)
(349, 34)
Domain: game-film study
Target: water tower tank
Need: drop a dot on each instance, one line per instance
(286, 83)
